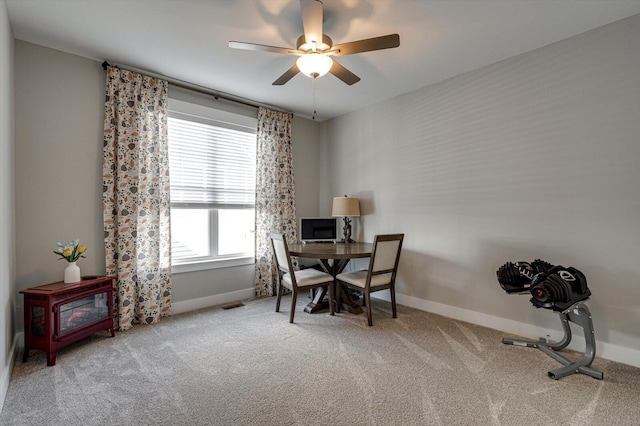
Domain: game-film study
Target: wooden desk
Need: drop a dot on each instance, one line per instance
(340, 254)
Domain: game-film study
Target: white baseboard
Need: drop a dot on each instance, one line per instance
(218, 299)
(605, 350)
(18, 342)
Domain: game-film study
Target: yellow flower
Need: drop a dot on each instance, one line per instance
(72, 251)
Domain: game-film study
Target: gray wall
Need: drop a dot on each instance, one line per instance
(59, 110)
(306, 167)
(8, 295)
(59, 129)
(533, 157)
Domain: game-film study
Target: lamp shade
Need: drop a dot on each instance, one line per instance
(345, 206)
(314, 64)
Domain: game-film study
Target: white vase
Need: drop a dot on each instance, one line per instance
(72, 273)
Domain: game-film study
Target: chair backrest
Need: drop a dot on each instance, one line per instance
(281, 252)
(386, 254)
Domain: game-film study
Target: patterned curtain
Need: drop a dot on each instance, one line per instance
(275, 195)
(136, 197)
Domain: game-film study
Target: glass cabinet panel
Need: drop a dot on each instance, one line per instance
(81, 312)
(37, 321)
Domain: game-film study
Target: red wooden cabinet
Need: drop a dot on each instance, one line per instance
(58, 314)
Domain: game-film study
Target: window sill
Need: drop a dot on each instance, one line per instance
(211, 264)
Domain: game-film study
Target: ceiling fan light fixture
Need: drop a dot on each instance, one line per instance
(314, 64)
(322, 46)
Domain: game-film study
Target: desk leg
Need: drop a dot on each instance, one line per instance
(347, 301)
(319, 303)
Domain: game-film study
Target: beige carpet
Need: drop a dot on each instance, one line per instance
(249, 366)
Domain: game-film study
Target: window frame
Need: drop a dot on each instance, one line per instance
(211, 116)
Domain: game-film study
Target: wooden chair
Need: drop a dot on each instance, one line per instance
(381, 273)
(294, 280)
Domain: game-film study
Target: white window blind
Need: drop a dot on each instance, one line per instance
(212, 165)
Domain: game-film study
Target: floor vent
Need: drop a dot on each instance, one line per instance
(233, 305)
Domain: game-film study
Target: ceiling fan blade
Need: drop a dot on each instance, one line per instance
(262, 48)
(312, 20)
(344, 74)
(367, 45)
(288, 75)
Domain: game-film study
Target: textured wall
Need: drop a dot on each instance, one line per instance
(534, 156)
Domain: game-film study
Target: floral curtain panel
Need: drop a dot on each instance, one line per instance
(136, 197)
(275, 194)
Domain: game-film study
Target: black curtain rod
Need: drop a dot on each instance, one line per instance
(197, 88)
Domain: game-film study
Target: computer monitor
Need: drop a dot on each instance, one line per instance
(316, 229)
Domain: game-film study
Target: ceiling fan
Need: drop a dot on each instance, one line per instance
(315, 49)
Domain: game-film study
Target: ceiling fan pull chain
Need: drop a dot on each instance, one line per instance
(314, 100)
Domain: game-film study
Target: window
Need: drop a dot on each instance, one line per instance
(212, 161)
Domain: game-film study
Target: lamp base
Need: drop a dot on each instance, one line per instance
(343, 241)
(346, 231)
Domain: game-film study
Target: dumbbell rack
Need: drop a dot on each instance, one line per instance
(579, 314)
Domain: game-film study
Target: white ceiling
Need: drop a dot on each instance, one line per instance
(188, 40)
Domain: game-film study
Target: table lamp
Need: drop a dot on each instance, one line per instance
(346, 207)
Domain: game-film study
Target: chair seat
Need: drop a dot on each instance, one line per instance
(359, 279)
(307, 277)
